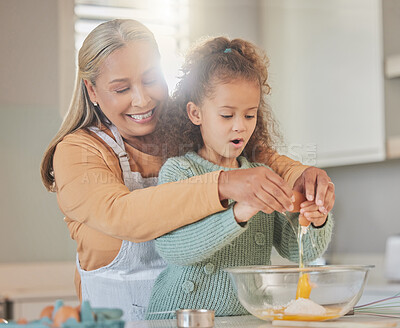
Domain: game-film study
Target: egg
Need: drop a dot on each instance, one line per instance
(303, 287)
(299, 198)
(303, 221)
(47, 312)
(64, 313)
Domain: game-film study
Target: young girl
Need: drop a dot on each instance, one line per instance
(221, 117)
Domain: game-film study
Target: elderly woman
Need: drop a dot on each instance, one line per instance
(104, 162)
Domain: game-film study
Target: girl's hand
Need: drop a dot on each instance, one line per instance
(243, 213)
(257, 187)
(311, 212)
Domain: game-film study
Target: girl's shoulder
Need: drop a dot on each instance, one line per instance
(175, 169)
(178, 162)
(245, 163)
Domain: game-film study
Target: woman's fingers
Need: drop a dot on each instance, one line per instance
(316, 185)
(329, 199)
(275, 192)
(258, 187)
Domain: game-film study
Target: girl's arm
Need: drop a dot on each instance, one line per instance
(315, 240)
(198, 241)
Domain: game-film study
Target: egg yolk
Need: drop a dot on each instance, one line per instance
(303, 287)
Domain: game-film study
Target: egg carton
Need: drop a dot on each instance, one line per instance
(90, 318)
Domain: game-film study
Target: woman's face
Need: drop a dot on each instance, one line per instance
(131, 89)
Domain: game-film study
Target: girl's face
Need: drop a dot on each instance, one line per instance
(131, 89)
(227, 120)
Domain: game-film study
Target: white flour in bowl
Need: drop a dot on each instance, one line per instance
(304, 306)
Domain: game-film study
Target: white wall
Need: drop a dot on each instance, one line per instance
(233, 18)
(31, 223)
(32, 227)
(367, 206)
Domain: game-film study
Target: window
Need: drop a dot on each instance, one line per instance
(167, 19)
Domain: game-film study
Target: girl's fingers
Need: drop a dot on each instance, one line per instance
(308, 207)
(314, 215)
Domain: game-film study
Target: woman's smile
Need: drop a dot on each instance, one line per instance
(143, 117)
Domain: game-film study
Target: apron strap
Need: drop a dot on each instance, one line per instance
(117, 146)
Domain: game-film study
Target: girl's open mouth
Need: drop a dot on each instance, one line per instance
(237, 143)
(144, 117)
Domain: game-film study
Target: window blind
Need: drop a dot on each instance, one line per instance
(167, 19)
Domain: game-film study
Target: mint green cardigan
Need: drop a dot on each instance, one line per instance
(197, 253)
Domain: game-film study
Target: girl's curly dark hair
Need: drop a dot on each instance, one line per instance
(218, 60)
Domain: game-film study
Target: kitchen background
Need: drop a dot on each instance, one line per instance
(335, 76)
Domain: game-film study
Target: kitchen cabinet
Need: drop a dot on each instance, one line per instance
(327, 79)
(26, 288)
(29, 303)
(391, 51)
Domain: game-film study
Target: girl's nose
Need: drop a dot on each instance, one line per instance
(239, 125)
(140, 97)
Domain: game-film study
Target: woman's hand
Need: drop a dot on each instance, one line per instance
(316, 185)
(311, 212)
(257, 187)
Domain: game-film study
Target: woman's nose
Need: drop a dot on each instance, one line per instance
(140, 98)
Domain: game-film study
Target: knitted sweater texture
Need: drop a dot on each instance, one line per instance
(197, 253)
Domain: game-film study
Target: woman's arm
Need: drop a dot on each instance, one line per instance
(287, 168)
(90, 190)
(311, 181)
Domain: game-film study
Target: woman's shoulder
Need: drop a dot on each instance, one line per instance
(82, 141)
(83, 138)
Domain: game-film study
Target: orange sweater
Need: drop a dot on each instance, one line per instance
(100, 211)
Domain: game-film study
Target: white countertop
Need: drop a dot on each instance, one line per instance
(249, 321)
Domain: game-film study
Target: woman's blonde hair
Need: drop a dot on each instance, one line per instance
(211, 62)
(98, 45)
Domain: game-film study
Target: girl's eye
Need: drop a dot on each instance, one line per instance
(250, 116)
(122, 90)
(226, 116)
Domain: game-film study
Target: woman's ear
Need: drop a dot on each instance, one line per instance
(194, 113)
(91, 91)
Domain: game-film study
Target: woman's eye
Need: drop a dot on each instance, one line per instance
(121, 90)
(149, 82)
(250, 116)
(226, 116)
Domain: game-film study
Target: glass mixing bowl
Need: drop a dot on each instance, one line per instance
(269, 292)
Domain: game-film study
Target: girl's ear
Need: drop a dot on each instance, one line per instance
(91, 91)
(194, 113)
